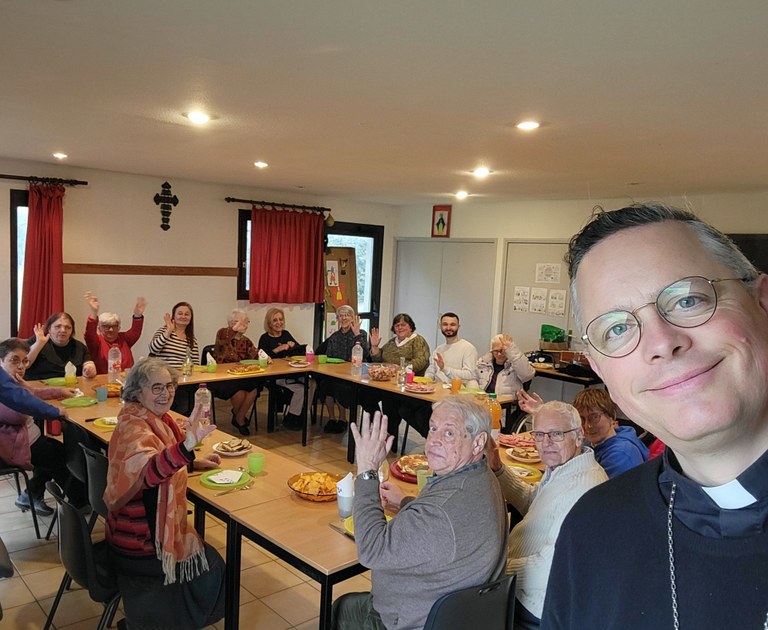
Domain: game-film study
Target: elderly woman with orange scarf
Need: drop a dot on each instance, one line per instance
(168, 577)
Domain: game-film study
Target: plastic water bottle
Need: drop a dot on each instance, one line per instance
(357, 359)
(186, 369)
(203, 399)
(401, 378)
(114, 367)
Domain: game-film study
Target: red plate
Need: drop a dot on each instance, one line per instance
(395, 470)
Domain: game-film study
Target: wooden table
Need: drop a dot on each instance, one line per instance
(548, 372)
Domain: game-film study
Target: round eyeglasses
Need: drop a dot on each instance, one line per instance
(686, 303)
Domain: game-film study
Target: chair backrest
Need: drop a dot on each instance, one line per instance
(490, 607)
(74, 435)
(77, 551)
(204, 354)
(6, 566)
(96, 464)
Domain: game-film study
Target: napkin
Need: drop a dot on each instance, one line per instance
(69, 369)
(209, 359)
(346, 487)
(262, 354)
(226, 477)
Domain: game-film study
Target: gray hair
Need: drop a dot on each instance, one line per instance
(345, 308)
(235, 314)
(566, 411)
(477, 418)
(140, 375)
(109, 318)
(603, 224)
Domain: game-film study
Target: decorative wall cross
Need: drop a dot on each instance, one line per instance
(166, 201)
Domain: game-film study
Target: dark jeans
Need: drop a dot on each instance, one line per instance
(48, 461)
(355, 611)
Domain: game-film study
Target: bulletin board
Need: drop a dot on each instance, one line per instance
(535, 291)
(340, 283)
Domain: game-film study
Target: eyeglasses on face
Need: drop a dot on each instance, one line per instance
(109, 326)
(17, 361)
(686, 303)
(555, 436)
(499, 351)
(160, 388)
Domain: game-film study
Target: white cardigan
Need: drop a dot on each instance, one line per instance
(517, 370)
(545, 506)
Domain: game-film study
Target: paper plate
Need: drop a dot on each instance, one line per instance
(244, 479)
(55, 382)
(333, 360)
(422, 379)
(80, 401)
(349, 523)
(298, 364)
(102, 423)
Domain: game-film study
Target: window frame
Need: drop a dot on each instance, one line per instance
(19, 198)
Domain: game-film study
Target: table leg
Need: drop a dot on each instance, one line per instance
(304, 411)
(232, 577)
(352, 418)
(272, 405)
(199, 519)
(326, 604)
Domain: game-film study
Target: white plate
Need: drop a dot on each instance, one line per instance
(511, 454)
(298, 364)
(231, 453)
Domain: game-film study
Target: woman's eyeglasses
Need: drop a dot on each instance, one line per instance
(160, 388)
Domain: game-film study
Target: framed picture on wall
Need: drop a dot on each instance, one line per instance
(441, 221)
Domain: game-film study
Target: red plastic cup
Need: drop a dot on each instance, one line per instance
(53, 427)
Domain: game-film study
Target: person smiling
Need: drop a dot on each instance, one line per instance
(102, 332)
(676, 319)
(53, 346)
(176, 340)
(453, 535)
(571, 470)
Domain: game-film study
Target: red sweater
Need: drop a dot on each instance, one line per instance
(98, 347)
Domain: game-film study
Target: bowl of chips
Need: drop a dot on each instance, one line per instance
(382, 371)
(315, 486)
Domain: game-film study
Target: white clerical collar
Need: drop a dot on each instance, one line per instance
(730, 496)
(399, 343)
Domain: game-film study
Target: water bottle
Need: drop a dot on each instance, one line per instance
(357, 359)
(114, 367)
(186, 369)
(203, 399)
(401, 374)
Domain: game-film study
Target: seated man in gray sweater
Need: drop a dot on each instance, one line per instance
(452, 536)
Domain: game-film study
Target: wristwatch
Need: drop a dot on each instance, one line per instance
(368, 474)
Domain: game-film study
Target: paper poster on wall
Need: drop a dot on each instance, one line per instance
(521, 299)
(548, 273)
(332, 273)
(538, 300)
(556, 304)
(331, 324)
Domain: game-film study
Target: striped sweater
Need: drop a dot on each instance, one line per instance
(174, 350)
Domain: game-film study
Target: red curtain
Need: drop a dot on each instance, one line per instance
(43, 288)
(286, 256)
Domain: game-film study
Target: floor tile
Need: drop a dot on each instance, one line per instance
(267, 578)
(296, 604)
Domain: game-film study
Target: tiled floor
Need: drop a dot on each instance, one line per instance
(273, 595)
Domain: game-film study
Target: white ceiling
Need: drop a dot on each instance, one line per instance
(395, 101)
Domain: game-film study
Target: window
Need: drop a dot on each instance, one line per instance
(19, 213)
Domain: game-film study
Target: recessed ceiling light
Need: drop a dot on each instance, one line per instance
(199, 118)
(481, 172)
(462, 194)
(528, 125)
(260, 164)
(60, 156)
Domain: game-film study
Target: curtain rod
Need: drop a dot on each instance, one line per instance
(45, 180)
(284, 206)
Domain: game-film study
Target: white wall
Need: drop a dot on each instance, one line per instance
(114, 220)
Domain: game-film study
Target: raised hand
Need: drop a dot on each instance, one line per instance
(372, 443)
(141, 304)
(195, 429)
(375, 338)
(506, 340)
(169, 325)
(529, 403)
(40, 335)
(356, 325)
(439, 361)
(93, 302)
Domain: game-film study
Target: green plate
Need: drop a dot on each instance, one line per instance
(332, 360)
(80, 401)
(244, 479)
(55, 382)
(249, 362)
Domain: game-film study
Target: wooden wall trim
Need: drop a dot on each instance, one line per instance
(147, 270)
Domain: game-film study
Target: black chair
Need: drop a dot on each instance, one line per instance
(490, 607)
(10, 469)
(87, 563)
(6, 566)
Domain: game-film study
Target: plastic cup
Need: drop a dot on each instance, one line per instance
(211, 367)
(345, 506)
(101, 394)
(455, 385)
(409, 378)
(70, 381)
(255, 463)
(422, 474)
(263, 363)
(53, 427)
(322, 358)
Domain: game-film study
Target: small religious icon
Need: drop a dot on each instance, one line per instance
(166, 203)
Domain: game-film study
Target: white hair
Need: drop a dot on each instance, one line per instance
(109, 318)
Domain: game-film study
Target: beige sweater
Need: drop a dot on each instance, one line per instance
(544, 506)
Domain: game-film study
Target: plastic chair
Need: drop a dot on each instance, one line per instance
(490, 606)
(84, 561)
(6, 566)
(97, 465)
(10, 469)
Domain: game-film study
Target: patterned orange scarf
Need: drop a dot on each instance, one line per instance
(139, 436)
